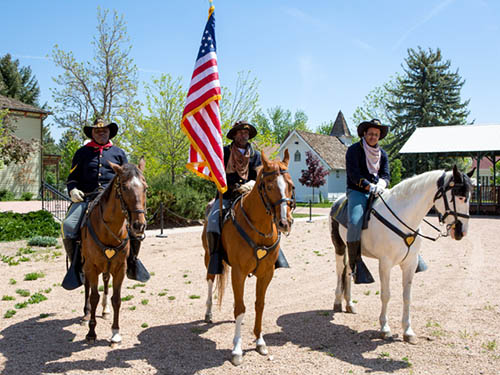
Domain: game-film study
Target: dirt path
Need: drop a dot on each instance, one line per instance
(455, 314)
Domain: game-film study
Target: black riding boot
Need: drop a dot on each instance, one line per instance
(359, 270)
(281, 262)
(215, 265)
(135, 268)
(74, 274)
(421, 266)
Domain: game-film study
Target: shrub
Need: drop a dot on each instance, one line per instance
(43, 241)
(6, 195)
(15, 226)
(27, 196)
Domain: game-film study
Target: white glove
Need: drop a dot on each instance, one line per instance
(245, 188)
(76, 195)
(376, 189)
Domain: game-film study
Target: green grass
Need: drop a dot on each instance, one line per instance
(298, 216)
(140, 285)
(127, 298)
(36, 298)
(323, 204)
(8, 298)
(12, 282)
(9, 314)
(132, 308)
(194, 296)
(161, 294)
(24, 251)
(33, 276)
(23, 292)
(490, 345)
(21, 305)
(144, 301)
(171, 298)
(144, 325)
(44, 315)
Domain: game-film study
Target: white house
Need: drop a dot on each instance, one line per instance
(330, 150)
(24, 177)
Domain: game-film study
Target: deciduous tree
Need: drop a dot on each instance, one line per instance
(314, 175)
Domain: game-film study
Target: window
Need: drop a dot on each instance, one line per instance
(297, 156)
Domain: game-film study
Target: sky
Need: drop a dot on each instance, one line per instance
(317, 56)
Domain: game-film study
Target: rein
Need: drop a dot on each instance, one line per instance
(409, 239)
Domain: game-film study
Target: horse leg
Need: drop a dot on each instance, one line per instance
(86, 305)
(385, 295)
(106, 298)
(262, 284)
(208, 312)
(408, 273)
(238, 283)
(339, 290)
(340, 261)
(94, 301)
(116, 300)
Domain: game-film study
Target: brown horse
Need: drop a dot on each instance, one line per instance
(251, 240)
(115, 212)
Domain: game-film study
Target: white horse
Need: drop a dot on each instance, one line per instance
(410, 200)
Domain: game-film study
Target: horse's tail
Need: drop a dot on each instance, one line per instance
(221, 283)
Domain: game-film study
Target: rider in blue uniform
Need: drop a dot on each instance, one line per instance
(367, 167)
(91, 173)
(241, 161)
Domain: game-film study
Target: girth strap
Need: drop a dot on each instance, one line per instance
(407, 238)
(109, 251)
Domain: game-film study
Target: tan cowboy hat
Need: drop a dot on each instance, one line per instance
(99, 123)
(252, 132)
(375, 123)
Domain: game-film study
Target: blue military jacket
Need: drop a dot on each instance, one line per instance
(233, 179)
(358, 177)
(91, 171)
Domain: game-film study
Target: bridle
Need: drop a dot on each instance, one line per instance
(126, 211)
(457, 189)
(270, 206)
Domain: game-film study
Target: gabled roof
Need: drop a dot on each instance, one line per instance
(16, 105)
(455, 139)
(340, 127)
(330, 149)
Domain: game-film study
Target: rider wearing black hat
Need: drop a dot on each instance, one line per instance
(241, 161)
(90, 173)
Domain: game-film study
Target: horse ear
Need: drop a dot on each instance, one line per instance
(471, 173)
(457, 176)
(286, 159)
(142, 164)
(115, 167)
(264, 158)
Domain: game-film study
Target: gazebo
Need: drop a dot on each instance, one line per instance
(474, 141)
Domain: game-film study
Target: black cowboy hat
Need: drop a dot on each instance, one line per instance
(99, 123)
(252, 132)
(375, 123)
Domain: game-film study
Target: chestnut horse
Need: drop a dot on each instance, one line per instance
(251, 240)
(115, 212)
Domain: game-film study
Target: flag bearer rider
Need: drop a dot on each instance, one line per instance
(241, 161)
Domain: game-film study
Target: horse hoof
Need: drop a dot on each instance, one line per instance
(350, 309)
(237, 359)
(386, 335)
(410, 339)
(114, 344)
(208, 318)
(337, 307)
(262, 349)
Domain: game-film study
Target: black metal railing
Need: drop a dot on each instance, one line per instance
(54, 201)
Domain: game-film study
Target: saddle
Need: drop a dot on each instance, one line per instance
(338, 211)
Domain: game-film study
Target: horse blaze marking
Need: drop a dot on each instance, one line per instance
(109, 253)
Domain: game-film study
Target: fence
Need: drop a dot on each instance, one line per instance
(487, 201)
(54, 201)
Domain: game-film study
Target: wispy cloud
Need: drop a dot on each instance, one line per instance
(31, 57)
(433, 13)
(305, 18)
(363, 45)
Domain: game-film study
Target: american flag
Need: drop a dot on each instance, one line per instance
(201, 117)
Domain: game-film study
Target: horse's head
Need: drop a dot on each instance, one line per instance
(131, 190)
(452, 202)
(277, 191)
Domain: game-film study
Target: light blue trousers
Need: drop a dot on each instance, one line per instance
(213, 225)
(356, 206)
(73, 219)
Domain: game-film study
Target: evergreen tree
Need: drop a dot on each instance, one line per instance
(427, 94)
(314, 175)
(18, 82)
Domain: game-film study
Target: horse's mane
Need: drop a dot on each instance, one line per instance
(128, 171)
(413, 184)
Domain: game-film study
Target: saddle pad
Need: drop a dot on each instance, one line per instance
(339, 210)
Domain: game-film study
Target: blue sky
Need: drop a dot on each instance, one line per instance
(319, 56)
